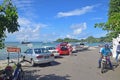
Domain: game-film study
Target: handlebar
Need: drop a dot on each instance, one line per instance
(17, 64)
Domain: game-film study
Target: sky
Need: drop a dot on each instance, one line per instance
(48, 20)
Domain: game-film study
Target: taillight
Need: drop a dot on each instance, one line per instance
(39, 57)
(52, 55)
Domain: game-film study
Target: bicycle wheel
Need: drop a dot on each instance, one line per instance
(103, 68)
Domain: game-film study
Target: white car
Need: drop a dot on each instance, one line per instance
(38, 56)
(79, 47)
(52, 50)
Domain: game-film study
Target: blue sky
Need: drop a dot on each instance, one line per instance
(48, 20)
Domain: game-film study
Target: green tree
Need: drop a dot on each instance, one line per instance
(59, 40)
(8, 20)
(113, 23)
(91, 39)
(67, 40)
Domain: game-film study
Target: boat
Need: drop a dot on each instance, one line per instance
(23, 42)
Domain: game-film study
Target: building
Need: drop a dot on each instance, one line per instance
(115, 43)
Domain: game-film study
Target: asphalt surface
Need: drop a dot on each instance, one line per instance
(79, 66)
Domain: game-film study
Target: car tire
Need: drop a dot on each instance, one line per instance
(23, 58)
(76, 51)
(49, 63)
(32, 63)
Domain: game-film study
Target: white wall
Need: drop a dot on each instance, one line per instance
(115, 43)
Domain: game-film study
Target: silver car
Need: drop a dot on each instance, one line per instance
(52, 50)
(79, 47)
(38, 56)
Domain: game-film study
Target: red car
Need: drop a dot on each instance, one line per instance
(63, 49)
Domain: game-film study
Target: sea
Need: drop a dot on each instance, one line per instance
(24, 47)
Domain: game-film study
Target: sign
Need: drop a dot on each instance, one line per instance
(13, 49)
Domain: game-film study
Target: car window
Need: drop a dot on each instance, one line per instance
(64, 48)
(48, 48)
(37, 51)
(51, 48)
(29, 51)
(41, 50)
(44, 50)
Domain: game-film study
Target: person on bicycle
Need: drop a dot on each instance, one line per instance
(105, 51)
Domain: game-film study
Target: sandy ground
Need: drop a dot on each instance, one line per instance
(80, 66)
(83, 66)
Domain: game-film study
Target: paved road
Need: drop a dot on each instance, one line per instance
(83, 66)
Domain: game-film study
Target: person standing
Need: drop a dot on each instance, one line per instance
(69, 46)
(117, 52)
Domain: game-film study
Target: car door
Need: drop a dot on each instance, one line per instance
(28, 54)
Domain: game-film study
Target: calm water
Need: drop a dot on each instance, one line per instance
(4, 54)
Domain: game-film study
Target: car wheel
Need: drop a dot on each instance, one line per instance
(76, 51)
(49, 63)
(23, 58)
(32, 63)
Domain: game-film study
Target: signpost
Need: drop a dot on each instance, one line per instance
(13, 50)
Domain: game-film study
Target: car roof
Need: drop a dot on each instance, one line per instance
(39, 48)
(36, 48)
(48, 47)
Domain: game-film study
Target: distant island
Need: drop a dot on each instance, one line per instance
(90, 39)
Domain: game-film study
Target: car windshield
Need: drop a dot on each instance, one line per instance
(51, 48)
(41, 50)
(64, 48)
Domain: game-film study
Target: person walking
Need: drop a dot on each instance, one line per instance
(69, 46)
(117, 52)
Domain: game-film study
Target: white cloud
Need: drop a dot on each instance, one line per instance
(28, 30)
(23, 21)
(75, 12)
(78, 28)
(26, 8)
(23, 4)
(68, 36)
(27, 23)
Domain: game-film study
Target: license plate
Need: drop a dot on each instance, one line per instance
(46, 57)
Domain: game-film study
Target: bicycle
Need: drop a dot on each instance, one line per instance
(18, 73)
(10, 74)
(106, 64)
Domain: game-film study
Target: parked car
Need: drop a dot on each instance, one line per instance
(38, 56)
(63, 49)
(78, 47)
(52, 50)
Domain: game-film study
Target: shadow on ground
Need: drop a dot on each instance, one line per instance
(115, 65)
(54, 77)
(59, 57)
(29, 75)
(53, 63)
